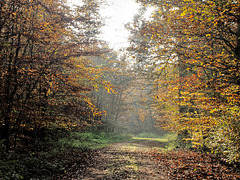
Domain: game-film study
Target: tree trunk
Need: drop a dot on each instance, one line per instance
(6, 129)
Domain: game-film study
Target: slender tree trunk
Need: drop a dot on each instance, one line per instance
(119, 104)
(237, 51)
(6, 128)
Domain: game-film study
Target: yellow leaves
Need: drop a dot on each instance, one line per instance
(95, 87)
(213, 110)
(142, 114)
(196, 30)
(184, 92)
(48, 91)
(110, 89)
(184, 12)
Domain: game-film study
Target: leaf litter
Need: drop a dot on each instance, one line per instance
(144, 160)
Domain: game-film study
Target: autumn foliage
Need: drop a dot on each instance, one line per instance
(192, 50)
(46, 69)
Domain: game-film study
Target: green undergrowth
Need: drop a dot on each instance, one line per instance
(91, 141)
(170, 140)
(153, 140)
(152, 137)
(50, 158)
(149, 135)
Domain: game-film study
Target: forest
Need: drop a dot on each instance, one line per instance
(66, 94)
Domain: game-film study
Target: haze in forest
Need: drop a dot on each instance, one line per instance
(77, 78)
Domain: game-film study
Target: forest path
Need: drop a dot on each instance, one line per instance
(126, 160)
(147, 159)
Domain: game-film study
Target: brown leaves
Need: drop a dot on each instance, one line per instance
(182, 164)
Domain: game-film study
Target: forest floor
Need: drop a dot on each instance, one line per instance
(142, 159)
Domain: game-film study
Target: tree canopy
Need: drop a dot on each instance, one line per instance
(46, 69)
(191, 50)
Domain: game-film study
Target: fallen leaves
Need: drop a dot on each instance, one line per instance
(184, 164)
(118, 161)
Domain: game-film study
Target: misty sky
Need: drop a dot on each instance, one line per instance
(116, 14)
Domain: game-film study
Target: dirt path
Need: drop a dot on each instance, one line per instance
(142, 160)
(128, 160)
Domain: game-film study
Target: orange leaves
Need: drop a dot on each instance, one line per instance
(142, 114)
(201, 40)
(46, 70)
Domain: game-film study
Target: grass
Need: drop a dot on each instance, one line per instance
(148, 135)
(152, 139)
(91, 140)
(169, 141)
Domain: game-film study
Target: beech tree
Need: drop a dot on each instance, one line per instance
(194, 50)
(46, 72)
